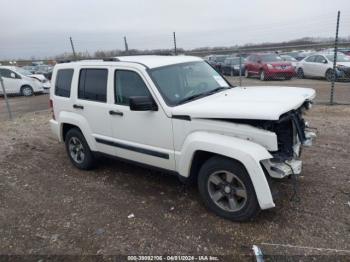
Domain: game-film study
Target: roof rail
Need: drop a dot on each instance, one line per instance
(64, 61)
(111, 59)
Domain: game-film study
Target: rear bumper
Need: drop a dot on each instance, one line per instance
(55, 129)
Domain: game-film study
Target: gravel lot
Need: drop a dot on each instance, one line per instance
(48, 207)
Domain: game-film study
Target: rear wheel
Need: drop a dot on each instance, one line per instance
(262, 75)
(226, 189)
(246, 73)
(27, 91)
(300, 73)
(78, 150)
(330, 76)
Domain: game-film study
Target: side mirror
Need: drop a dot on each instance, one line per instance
(142, 103)
(13, 75)
(325, 61)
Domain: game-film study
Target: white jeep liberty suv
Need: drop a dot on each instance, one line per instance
(178, 114)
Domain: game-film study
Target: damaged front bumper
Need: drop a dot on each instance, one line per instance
(281, 169)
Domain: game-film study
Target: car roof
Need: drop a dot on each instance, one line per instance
(153, 61)
(148, 61)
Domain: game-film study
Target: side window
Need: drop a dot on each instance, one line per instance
(93, 84)
(320, 59)
(63, 82)
(310, 59)
(127, 84)
(6, 73)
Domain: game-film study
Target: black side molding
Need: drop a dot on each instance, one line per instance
(181, 117)
(133, 148)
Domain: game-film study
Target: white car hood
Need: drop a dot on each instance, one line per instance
(260, 103)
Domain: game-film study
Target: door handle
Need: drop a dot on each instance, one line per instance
(115, 113)
(78, 106)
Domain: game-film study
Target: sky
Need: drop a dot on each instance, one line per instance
(41, 28)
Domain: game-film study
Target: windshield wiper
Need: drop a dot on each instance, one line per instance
(197, 96)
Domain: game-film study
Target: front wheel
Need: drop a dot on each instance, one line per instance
(262, 75)
(27, 91)
(226, 189)
(78, 150)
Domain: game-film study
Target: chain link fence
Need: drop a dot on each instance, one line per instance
(323, 65)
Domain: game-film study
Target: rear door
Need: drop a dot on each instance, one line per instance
(92, 104)
(321, 66)
(308, 65)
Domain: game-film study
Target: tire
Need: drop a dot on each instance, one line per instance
(288, 78)
(262, 75)
(76, 146)
(329, 75)
(27, 91)
(236, 201)
(246, 73)
(300, 73)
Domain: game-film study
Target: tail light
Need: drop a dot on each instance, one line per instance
(51, 107)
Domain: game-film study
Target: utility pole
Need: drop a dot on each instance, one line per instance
(71, 43)
(335, 60)
(5, 96)
(175, 51)
(126, 45)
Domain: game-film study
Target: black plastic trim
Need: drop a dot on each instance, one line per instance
(181, 117)
(133, 148)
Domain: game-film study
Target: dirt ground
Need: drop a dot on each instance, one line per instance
(48, 207)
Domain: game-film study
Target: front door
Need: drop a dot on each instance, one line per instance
(141, 136)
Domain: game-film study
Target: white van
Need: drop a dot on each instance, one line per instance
(17, 83)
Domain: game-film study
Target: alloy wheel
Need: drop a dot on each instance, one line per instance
(227, 191)
(76, 150)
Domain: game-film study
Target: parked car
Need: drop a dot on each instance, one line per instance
(268, 66)
(17, 83)
(321, 65)
(40, 77)
(233, 66)
(218, 62)
(291, 60)
(180, 115)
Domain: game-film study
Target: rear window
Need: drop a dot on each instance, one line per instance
(63, 82)
(93, 84)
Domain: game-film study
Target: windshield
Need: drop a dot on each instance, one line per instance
(22, 71)
(340, 58)
(182, 83)
(271, 58)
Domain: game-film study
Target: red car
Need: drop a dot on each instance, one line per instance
(268, 66)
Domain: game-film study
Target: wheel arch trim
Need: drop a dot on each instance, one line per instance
(78, 121)
(248, 153)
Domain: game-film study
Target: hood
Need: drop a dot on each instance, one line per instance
(259, 103)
